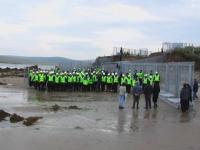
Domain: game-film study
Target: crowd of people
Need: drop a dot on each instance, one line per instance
(99, 80)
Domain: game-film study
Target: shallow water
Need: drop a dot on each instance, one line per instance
(99, 125)
(19, 66)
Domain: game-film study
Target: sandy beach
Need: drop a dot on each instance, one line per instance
(97, 125)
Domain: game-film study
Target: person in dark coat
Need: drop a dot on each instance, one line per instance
(185, 97)
(190, 92)
(137, 90)
(147, 94)
(156, 91)
(195, 89)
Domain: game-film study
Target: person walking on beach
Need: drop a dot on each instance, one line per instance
(137, 90)
(156, 91)
(147, 94)
(185, 97)
(122, 93)
(195, 89)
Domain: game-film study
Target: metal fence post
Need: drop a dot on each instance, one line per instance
(176, 82)
(167, 78)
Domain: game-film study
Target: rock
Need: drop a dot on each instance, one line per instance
(73, 107)
(79, 128)
(16, 118)
(7, 69)
(98, 119)
(31, 120)
(55, 107)
(1, 83)
(3, 115)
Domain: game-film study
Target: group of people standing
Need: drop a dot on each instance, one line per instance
(100, 81)
(87, 80)
(149, 86)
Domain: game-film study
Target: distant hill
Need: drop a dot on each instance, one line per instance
(42, 60)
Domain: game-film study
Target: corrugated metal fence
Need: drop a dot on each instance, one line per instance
(172, 74)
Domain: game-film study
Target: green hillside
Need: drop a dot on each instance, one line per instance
(39, 60)
(185, 54)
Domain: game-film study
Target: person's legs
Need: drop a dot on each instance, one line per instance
(134, 101)
(127, 88)
(116, 85)
(102, 87)
(123, 101)
(140, 80)
(182, 106)
(146, 101)
(42, 86)
(120, 97)
(194, 95)
(187, 103)
(137, 101)
(149, 101)
(155, 99)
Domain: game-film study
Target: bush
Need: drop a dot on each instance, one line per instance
(185, 54)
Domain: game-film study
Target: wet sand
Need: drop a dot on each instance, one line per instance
(98, 125)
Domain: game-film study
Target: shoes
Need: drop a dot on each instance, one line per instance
(134, 107)
(120, 107)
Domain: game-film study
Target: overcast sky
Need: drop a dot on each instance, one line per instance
(85, 29)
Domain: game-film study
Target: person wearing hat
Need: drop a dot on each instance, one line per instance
(98, 83)
(123, 79)
(145, 81)
(147, 94)
(36, 80)
(129, 82)
(135, 76)
(156, 77)
(103, 81)
(63, 81)
(140, 76)
(42, 80)
(195, 89)
(185, 95)
(137, 90)
(109, 82)
(57, 82)
(70, 81)
(85, 83)
(115, 82)
(50, 81)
